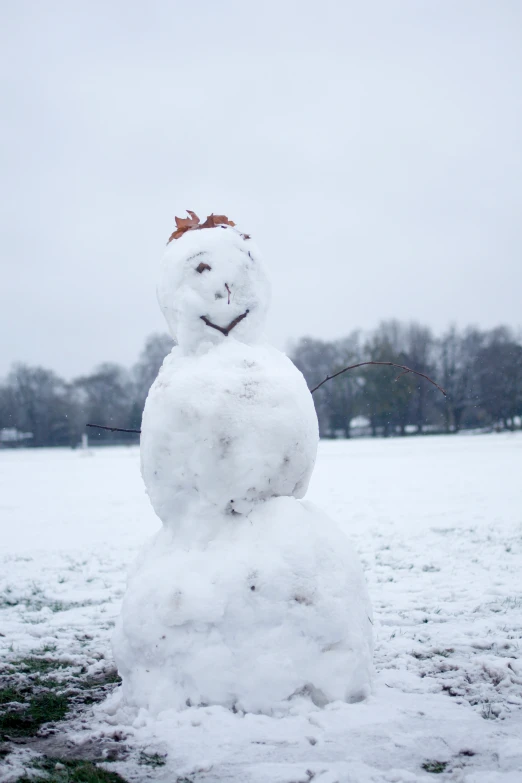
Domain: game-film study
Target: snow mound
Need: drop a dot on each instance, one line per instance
(274, 606)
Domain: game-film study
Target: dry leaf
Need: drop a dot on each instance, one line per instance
(184, 224)
(216, 220)
(192, 223)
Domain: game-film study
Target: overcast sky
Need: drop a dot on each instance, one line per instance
(372, 149)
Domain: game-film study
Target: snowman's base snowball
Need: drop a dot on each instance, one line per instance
(274, 606)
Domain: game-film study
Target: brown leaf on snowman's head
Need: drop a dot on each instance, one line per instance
(216, 220)
(192, 223)
(184, 224)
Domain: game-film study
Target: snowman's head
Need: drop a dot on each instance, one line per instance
(212, 288)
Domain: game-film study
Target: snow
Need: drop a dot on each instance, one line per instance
(437, 523)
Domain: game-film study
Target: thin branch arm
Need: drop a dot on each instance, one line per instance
(387, 364)
(111, 429)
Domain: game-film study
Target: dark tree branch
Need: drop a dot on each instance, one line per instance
(405, 369)
(225, 329)
(111, 429)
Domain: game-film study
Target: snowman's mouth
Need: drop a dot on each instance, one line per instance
(225, 329)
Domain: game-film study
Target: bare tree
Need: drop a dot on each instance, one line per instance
(315, 358)
(105, 396)
(420, 354)
(37, 402)
(499, 374)
(457, 361)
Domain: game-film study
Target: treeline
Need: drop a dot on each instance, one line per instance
(37, 402)
(481, 372)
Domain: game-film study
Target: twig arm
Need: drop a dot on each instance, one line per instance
(111, 429)
(402, 367)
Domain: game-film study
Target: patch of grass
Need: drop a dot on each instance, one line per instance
(59, 606)
(489, 711)
(91, 693)
(47, 682)
(110, 677)
(34, 664)
(40, 689)
(99, 681)
(37, 601)
(7, 603)
(420, 656)
(27, 719)
(152, 759)
(47, 707)
(424, 656)
(444, 653)
(436, 767)
(71, 771)
(31, 696)
(10, 694)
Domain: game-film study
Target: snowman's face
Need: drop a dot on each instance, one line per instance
(213, 288)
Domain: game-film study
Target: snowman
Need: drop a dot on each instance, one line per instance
(248, 597)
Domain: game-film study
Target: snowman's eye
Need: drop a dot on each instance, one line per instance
(202, 266)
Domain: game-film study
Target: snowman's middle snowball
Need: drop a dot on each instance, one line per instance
(227, 428)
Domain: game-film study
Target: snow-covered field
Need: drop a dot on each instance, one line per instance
(437, 522)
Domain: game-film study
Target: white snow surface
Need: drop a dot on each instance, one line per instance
(437, 523)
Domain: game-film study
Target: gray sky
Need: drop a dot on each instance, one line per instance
(372, 149)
